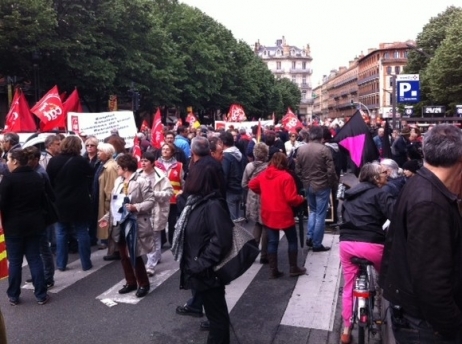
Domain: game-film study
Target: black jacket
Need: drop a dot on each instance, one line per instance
(233, 164)
(365, 209)
(395, 185)
(72, 186)
(21, 202)
(422, 261)
(207, 239)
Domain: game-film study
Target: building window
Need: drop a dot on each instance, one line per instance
(292, 52)
(391, 82)
(396, 54)
(304, 95)
(385, 55)
(397, 70)
(303, 81)
(294, 79)
(278, 65)
(278, 52)
(405, 54)
(304, 65)
(265, 53)
(388, 70)
(294, 64)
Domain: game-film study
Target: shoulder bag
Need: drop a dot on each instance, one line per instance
(240, 258)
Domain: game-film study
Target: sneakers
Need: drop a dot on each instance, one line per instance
(45, 300)
(150, 272)
(321, 249)
(239, 220)
(50, 284)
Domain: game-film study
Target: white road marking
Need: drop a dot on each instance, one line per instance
(163, 271)
(236, 289)
(314, 299)
(74, 273)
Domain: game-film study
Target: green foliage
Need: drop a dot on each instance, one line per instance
(443, 72)
(287, 95)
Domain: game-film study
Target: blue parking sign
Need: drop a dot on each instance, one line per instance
(408, 88)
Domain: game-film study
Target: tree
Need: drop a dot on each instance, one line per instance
(287, 95)
(443, 72)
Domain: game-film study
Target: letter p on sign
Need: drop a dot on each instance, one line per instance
(404, 87)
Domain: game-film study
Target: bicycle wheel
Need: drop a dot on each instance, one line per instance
(361, 334)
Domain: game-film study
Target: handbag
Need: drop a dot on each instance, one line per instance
(341, 191)
(238, 260)
(50, 213)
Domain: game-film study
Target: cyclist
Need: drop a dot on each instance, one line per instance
(365, 209)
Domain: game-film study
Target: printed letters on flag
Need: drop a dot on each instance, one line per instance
(72, 104)
(290, 121)
(236, 113)
(192, 120)
(50, 107)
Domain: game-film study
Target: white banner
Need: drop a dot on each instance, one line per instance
(239, 125)
(100, 124)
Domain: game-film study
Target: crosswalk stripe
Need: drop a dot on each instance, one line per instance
(314, 299)
(74, 273)
(236, 288)
(167, 268)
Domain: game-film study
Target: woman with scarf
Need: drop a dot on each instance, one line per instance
(203, 236)
(175, 173)
(132, 194)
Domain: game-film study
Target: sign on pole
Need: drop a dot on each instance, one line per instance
(408, 88)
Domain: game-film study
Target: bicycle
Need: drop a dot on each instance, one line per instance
(363, 299)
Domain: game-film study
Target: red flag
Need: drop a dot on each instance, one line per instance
(19, 118)
(178, 123)
(50, 107)
(259, 131)
(72, 104)
(157, 131)
(192, 120)
(144, 126)
(62, 96)
(236, 113)
(290, 121)
(3, 257)
(137, 150)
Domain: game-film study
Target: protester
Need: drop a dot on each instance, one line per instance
(181, 141)
(163, 191)
(316, 169)
(399, 146)
(292, 143)
(202, 238)
(10, 141)
(52, 144)
(277, 213)
(410, 168)
(138, 190)
(174, 170)
(21, 203)
(365, 209)
(103, 183)
(253, 201)
(91, 151)
(394, 177)
(421, 263)
(71, 177)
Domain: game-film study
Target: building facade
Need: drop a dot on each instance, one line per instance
(293, 63)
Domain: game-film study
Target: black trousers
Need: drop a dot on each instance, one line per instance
(216, 311)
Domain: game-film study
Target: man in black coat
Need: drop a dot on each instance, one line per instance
(422, 261)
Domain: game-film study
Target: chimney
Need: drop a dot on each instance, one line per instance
(283, 40)
(257, 46)
(279, 42)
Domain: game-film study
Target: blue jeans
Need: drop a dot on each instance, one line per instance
(17, 248)
(273, 239)
(195, 302)
(318, 202)
(63, 231)
(47, 257)
(234, 205)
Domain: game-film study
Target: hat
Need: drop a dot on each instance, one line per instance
(405, 131)
(411, 165)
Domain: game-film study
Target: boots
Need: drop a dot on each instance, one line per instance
(273, 263)
(294, 269)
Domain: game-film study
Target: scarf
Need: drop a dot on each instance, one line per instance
(178, 236)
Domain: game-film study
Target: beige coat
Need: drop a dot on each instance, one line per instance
(142, 197)
(106, 182)
(163, 191)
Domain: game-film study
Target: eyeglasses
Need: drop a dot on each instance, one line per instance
(90, 145)
(383, 172)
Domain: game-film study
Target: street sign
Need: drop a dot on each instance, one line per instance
(434, 111)
(408, 88)
(459, 110)
(408, 111)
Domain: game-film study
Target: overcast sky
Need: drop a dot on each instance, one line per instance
(337, 30)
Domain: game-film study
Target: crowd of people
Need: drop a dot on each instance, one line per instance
(191, 192)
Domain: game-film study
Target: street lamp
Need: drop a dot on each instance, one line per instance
(367, 109)
(419, 50)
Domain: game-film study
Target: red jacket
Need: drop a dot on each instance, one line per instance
(278, 195)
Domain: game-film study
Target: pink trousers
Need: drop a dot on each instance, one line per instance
(349, 249)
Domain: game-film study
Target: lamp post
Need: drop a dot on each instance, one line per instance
(419, 50)
(367, 109)
(35, 65)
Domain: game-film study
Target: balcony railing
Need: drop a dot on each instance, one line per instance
(304, 86)
(369, 78)
(301, 71)
(307, 101)
(279, 71)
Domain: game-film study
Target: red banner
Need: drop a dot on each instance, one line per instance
(19, 118)
(144, 126)
(72, 104)
(236, 114)
(50, 107)
(178, 123)
(157, 131)
(192, 120)
(137, 150)
(3, 256)
(291, 122)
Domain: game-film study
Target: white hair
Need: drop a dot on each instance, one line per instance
(106, 148)
(392, 166)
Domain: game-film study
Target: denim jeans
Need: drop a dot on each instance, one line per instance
(63, 232)
(317, 202)
(234, 205)
(418, 331)
(17, 248)
(47, 257)
(195, 302)
(273, 239)
(51, 234)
